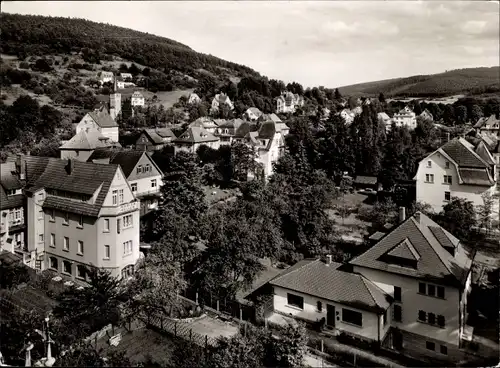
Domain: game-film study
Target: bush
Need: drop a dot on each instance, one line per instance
(24, 65)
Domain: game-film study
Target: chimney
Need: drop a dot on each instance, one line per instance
(328, 259)
(70, 166)
(402, 214)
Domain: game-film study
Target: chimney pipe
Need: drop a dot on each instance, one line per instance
(447, 137)
(402, 214)
(328, 259)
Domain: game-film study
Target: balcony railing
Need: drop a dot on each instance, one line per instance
(125, 207)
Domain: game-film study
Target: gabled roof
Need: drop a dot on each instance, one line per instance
(484, 153)
(204, 122)
(196, 134)
(84, 178)
(383, 116)
(244, 128)
(405, 250)
(435, 262)
(272, 117)
(314, 277)
(487, 122)
(103, 119)
(254, 111)
(87, 141)
(369, 180)
(137, 94)
(157, 135)
(267, 130)
(9, 181)
(463, 154)
(127, 159)
(406, 110)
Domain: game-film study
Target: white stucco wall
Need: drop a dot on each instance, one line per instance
(412, 302)
(370, 320)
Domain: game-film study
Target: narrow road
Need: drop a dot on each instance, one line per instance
(316, 361)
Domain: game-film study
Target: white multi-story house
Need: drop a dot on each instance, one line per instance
(405, 117)
(140, 171)
(194, 99)
(488, 126)
(384, 118)
(12, 204)
(80, 214)
(126, 76)
(219, 100)
(195, 137)
(288, 102)
(106, 77)
(456, 170)
(82, 144)
(408, 292)
(347, 115)
(210, 125)
(99, 120)
(137, 99)
(252, 114)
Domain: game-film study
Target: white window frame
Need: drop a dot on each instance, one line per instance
(120, 196)
(127, 247)
(447, 200)
(66, 218)
(429, 163)
(80, 248)
(429, 178)
(53, 240)
(133, 186)
(107, 251)
(80, 222)
(153, 183)
(106, 226)
(40, 238)
(115, 197)
(66, 244)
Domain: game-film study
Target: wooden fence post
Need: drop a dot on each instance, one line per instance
(175, 329)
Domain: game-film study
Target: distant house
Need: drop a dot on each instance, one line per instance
(253, 114)
(195, 137)
(106, 77)
(126, 76)
(365, 182)
(232, 130)
(347, 115)
(140, 171)
(120, 82)
(426, 115)
(288, 102)
(384, 118)
(490, 125)
(219, 100)
(207, 123)
(405, 117)
(137, 99)
(83, 144)
(194, 99)
(154, 139)
(101, 121)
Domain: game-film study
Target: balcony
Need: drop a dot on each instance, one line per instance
(118, 210)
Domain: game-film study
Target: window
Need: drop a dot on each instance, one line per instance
(40, 196)
(422, 316)
(66, 243)
(430, 345)
(80, 221)
(148, 167)
(53, 263)
(350, 316)
(67, 267)
(52, 215)
(384, 317)
(80, 247)
(397, 293)
(153, 183)
(429, 163)
(447, 179)
(295, 301)
(66, 218)
(139, 169)
(431, 318)
(128, 272)
(118, 226)
(127, 247)
(133, 186)
(53, 240)
(398, 313)
(429, 178)
(447, 165)
(81, 272)
(431, 290)
(115, 197)
(440, 292)
(421, 288)
(40, 238)
(319, 306)
(443, 349)
(127, 221)
(40, 214)
(120, 196)
(447, 196)
(106, 252)
(440, 321)
(106, 225)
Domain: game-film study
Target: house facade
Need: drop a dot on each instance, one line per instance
(426, 115)
(195, 137)
(154, 139)
(288, 102)
(488, 125)
(455, 170)
(347, 115)
(99, 120)
(405, 117)
(194, 99)
(80, 214)
(219, 100)
(81, 145)
(106, 77)
(208, 124)
(253, 114)
(137, 99)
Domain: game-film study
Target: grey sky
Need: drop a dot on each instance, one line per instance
(329, 43)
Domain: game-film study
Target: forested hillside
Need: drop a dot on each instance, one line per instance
(454, 82)
(28, 35)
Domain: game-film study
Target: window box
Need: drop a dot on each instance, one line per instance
(295, 301)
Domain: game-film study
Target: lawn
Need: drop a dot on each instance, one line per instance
(214, 195)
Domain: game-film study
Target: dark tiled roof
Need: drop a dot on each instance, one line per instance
(85, 178)
(459, 150)
(435, 262)
(483, 152)
(475, 177)
(127, 159)
(196, 134)
(86, 141)
(370, 180)
(244, 128)
(267, 130)
(9, 181)
(314, 277)
(103, 119)
(70, 205)
(404, 250)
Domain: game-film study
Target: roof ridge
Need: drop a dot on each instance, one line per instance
(298, 268)
(363, 280)
(472, 151)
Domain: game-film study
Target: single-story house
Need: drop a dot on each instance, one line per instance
(363, 182)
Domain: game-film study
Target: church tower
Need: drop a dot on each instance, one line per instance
(115, 101)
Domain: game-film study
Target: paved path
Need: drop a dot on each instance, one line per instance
(316, 361)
